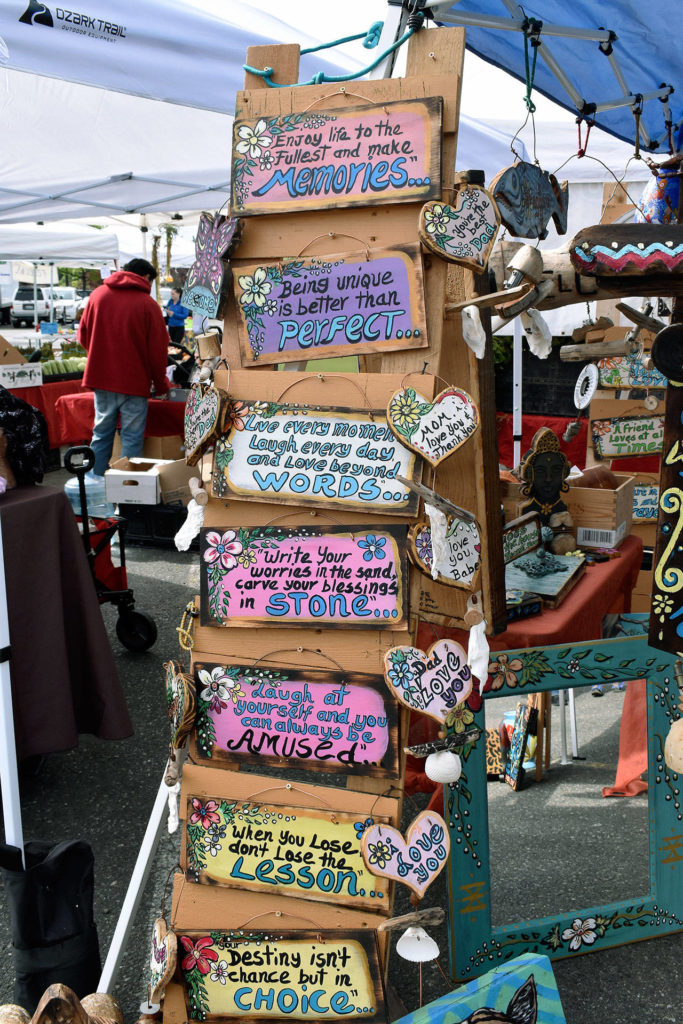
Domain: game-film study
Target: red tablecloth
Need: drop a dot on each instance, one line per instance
(75, 415)
(575, 449)
(45, 399)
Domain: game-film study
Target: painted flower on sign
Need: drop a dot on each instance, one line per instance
(580, 932)
(254, 139)
(220, 972)
(211, 842)
(266, 162)
(662, 606)
(436, 219)
(504, 671)
(198, 955)
(247, 558)
(361, 826)
(204, 814)
(404, 411)
(222, 548)
(400, 673)
(423, 546)
(235, 415)
(459, 718)
(373, 547)
(380, 854)
(254, 288)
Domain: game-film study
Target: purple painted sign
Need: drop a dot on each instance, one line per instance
(305, 576)
(366, 155)
(309, 717)
(326, 306)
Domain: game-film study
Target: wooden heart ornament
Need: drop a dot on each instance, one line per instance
(204, 415)
(433, 429)
(415, 860)
(181, 701)
(460, 565)
(433, 682)
(463, 232)
(163, 960)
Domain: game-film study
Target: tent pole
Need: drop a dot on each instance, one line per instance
(9, 779)
(35, 297)
(52, 292)
(517, 392)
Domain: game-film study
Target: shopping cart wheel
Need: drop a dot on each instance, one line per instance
(136, 631)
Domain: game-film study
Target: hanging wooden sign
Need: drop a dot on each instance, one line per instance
(463, 231)
(283, 850)
(314, 455)
(317, 307)
(163, 959)
(304, 975)
(434, 429)
(308, 718)
(628, 249)
(216, 236)
(415, 860)
(205, 412)
(180, 702)
(627, 435)
(527, 197)
(521, 536)
(645, 502)
(620, 372)
(320, 576)
(358, 156)
(432, 683)
(459, 565)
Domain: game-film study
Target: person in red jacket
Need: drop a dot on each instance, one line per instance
(123, 331)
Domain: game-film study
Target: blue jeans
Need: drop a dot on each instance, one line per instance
(133, 411)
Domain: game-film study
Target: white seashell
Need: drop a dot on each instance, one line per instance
(417, 946)
(443, 766)
(673, 747)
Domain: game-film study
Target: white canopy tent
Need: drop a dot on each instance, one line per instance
(75, 247)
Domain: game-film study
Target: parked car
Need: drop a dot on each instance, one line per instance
(66, 304)
(23, 311)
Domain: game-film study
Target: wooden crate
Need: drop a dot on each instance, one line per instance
(602, 517)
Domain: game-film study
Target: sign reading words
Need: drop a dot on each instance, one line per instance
(362, 156)
(289, 851)
(305, 975)
(314, 456)
(305, 575)
(331, 305)
(627, 435)
(309, 717)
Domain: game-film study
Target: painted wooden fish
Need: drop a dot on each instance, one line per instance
(528, 197)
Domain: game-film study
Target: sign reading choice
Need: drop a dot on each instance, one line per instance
(307, 576)
(331, 305)
(329, 158)
(288, 851)
(309, 717)
(304, 975)
(315, 456)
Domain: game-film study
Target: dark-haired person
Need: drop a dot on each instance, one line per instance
(123, 331)
(177, 315)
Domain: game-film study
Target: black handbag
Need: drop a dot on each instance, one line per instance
(54, 938)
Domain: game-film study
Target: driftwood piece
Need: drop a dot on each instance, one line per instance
(429, 916)
(603, 323)
(594, 350)
(641, 319)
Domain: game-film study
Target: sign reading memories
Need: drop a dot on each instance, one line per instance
(322, 306)
(329, 576)
(305, 975)
(307, 455)
(283, 850)
(627, 435)
(311, 718)
(362, 156)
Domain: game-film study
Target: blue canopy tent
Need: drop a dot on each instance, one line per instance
(617, 64)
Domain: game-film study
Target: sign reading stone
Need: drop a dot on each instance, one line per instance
(362, 156)
(324, 306)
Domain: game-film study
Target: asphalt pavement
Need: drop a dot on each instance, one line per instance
(555, 845)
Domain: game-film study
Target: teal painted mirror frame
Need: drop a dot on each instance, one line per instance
(476, 946)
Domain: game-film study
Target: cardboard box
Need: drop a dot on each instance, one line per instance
(169, 447)
(8, 353)
(133, 482)
(174, 478)
(602, 517)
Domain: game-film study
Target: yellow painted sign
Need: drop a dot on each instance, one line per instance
(291, 851)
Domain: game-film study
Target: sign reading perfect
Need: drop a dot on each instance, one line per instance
(362, 156)
(331, 305)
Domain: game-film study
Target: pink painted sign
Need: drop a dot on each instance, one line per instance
(308, 717)
(415, 860)
(366, 155)
(304, 576)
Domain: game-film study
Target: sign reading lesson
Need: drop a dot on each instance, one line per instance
(304, 975)
(310, 455)
(288, 851)
(326, 306)
(325, 576)
(362, 156)
(309, 718)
